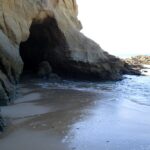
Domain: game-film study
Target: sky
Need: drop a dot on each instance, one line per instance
(121, 27)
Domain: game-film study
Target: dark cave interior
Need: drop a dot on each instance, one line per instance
(46, 42)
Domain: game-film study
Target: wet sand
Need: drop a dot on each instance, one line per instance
(67, 119)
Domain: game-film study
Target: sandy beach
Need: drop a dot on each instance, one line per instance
(41, 118)
(72, 119)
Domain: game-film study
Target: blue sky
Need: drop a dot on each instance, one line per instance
(121, 27)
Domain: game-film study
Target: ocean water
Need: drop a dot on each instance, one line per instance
(132, 88)
(117, 119)
(75, 115)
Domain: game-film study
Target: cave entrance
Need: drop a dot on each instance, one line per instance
(46, 42)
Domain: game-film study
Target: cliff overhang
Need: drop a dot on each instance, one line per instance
(33, 31)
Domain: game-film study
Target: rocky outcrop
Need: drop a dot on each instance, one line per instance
(32, 31)
(131, 69)
(135, 65)
(138, 60)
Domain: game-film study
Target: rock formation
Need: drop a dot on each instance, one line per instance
(135, 64)
(1, 124)
(32, 31)
(44, 70)
(138, 60)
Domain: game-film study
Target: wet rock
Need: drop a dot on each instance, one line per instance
(131, 69)
(134, 65)
(44, 70)
(2, 124)
(7, 90)
(54, 77)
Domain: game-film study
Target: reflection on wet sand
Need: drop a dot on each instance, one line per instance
(44, 118)
(80, 116)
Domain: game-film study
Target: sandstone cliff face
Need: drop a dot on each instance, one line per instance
(47, 30)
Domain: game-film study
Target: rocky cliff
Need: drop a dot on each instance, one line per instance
(32, 31)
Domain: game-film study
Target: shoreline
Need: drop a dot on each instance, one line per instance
(38, 112)
(84, 117)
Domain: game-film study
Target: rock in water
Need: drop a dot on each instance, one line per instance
(35, 30)
(137, 65)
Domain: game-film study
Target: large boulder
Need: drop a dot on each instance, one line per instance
(48, 30)
(44, 70)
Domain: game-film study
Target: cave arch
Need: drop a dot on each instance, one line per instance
(46, 42)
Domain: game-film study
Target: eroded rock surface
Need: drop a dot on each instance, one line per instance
(2, 124)
(48, 30)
